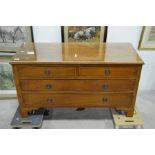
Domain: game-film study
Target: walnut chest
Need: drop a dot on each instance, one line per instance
(49, 75)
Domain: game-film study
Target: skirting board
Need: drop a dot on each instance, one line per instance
(4, 94)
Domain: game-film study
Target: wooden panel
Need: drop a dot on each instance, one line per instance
(77, 100)
(77, 85)
(108, 72)
(77, 53)
(46, 72)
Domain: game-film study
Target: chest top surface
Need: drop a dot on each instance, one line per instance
(76, 53)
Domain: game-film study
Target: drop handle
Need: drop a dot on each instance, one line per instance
(105, 99)
(107, 71)
(47, 72)
(105, 86)
(49, 100)
(48, 86)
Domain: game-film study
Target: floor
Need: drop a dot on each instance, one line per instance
(93, 118)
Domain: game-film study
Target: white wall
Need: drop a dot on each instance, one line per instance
(47, 33)
(115, 34)
(132, 34)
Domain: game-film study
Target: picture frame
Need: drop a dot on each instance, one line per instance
(6, 75)
(147, 38)
(7, 85)
(89, 34)
(11, 37)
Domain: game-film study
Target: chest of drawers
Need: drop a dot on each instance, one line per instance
(76, 75)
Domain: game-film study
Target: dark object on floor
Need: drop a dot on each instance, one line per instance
(48, 114)
(80, 109)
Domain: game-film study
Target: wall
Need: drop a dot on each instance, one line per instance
(47, 33)
(115, 34)
(132, 34)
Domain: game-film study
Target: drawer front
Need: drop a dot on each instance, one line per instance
(78, 85)
(108, 72)
(46, 72)
(77, 100)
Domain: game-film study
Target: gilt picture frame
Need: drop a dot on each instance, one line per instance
(87, 34)
(147, 38)
(11, 37)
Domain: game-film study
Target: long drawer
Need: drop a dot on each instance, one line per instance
(108, 72)
(77, 100)
(78, 85)
(46, 72)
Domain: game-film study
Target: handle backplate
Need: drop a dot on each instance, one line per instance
(107, 71)
(105, 99)
(47, 72)
(105, 86)
(49, 100)
(48, 86)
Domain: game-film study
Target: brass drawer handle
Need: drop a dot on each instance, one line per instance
(47, 72)
(105, 86)
(105, 99)
(48, 86)
(49, 100)
(107, 71)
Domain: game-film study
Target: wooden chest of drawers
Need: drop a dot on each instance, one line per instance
(76, 75)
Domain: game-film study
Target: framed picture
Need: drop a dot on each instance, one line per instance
(147, 39)
(90, 34)
(6, 77)
(11, 37)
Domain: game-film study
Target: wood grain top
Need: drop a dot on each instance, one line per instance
(76, 53)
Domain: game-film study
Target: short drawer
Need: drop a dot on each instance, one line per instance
(77, 100)
(108, 72)
(46, 72)
(78, 85)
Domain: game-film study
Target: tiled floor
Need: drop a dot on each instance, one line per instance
(87, 119)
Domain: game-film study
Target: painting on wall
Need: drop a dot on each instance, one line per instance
(147, 39)
(88, 34)
(11, 37)
(6, 76)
